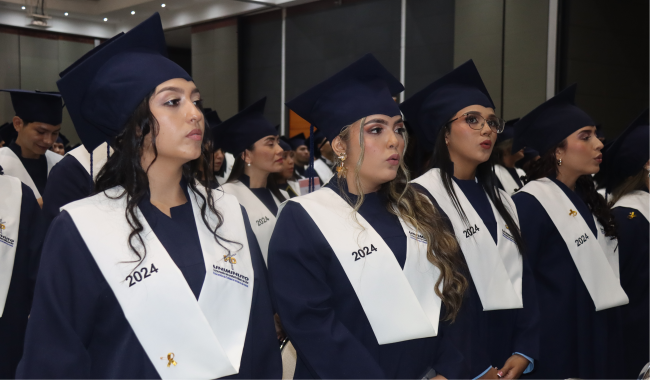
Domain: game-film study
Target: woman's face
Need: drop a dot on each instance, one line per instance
(581, 155)
(287, 166)
(176, 107)
(266, 155)
(383, 139)
(470, 146)
(217, 159)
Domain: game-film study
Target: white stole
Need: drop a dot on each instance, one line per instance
(496, 269)
(10, 202)
(400, 304)
(100, 156)
(295, 186)
(12, 166)
(638, 200)
(261, 218)
(324, 172)
(596, 258)
(509, 184)
(206, 338)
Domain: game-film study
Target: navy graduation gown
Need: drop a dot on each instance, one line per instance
(13, 322)
(77, 328)
(575, 339)
(322, 314)
(69, 182)
(262, 193)
(633, 259)
(36, 167)
(493, 336)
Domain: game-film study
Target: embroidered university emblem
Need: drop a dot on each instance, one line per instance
(632, 215)
(3, 238)
(573, 212)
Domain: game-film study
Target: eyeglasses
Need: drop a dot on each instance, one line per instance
(477, 122)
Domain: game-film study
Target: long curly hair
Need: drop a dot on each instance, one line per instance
(406, 202)
(546, 166)
(124, 169)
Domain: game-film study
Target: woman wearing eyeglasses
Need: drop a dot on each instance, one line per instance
(571, 244)
(498, 322)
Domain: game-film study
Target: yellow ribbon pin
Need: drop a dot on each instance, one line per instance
(170, 359)
(632, 215)
(572, 212)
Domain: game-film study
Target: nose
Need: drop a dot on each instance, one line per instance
(486, 130)
(194, 114)
(49, 139)
(392, 140)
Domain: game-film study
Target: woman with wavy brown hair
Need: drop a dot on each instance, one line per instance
(570, 235)
(360, 292)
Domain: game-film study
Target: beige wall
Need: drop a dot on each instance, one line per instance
(215, 66)
(34, 63)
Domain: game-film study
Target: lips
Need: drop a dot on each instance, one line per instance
(280, 160)
(599, 158)
(394, 159)
(487, 144)
(195, 134)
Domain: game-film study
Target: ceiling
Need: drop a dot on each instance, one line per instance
(105, 18)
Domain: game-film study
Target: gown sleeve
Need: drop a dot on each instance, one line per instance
(299, 258)
(68, 182)
(64, 304)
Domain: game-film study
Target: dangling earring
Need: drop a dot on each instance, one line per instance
(559, 162)
(341, 170)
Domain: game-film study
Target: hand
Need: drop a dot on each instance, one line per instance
(438, 377)
(514, 367)
(491, 374)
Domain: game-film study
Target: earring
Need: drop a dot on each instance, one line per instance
(559, 162)
(249, 164)
(341, 170)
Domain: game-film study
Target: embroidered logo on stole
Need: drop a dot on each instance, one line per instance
(3, 238)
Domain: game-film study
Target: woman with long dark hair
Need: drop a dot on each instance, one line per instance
(253, 141)
(626, 166)
(508, 175)
(154, 276)
(571, 244)
(287, 177)
(499, 326)
(360, 292)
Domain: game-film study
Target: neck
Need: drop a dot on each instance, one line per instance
(509, 161)
(366, 187)
(24, 152)
(258, 177)
(164, 184)
(464, 170)
(568, 179)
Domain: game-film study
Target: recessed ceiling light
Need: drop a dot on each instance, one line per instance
(132, 12)
(105, 19)
(162, 5)
(23, 7)
(65, 14)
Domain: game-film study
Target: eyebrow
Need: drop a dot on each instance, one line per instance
(176, 89)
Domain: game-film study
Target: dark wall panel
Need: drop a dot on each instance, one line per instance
(324, 37)
(260, 49)
(429, 42)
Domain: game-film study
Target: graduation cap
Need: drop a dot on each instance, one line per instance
(105, 86)
(551, 122)
(8, 133)
(508, 131)
(364, 88)
(245, 128)
(431, 108)
(62, 140)
(284, 143)
(626, 155)
(298, 141)
(44, 107)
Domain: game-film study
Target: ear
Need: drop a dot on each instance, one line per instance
(558, 153)
(244, 155)
(339, 146)
(18, 123)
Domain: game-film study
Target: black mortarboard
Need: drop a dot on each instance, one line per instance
(508, 131)
(44, 107)
(431, 108)
(298, 141)
(551, 122)
(245, 128)
(104, 87)
(626, 155)
(62, 139)
(8, 133)
(362, 89)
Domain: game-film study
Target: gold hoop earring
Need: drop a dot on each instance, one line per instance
(559, 162)
(341, 170)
